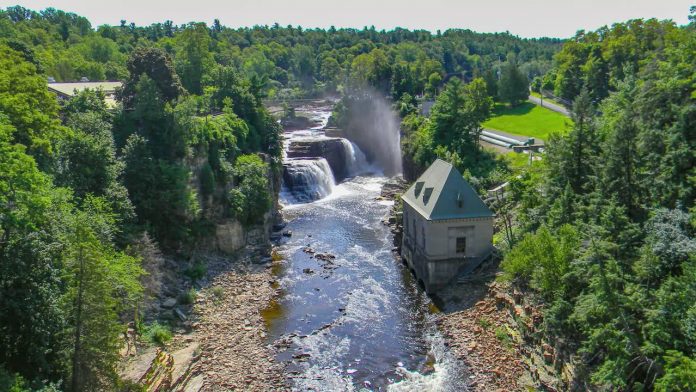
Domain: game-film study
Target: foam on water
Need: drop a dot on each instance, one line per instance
(446, 377)
(306, 180)
(364, 315)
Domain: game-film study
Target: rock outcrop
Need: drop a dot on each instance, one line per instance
(332, 149)
(230, 236)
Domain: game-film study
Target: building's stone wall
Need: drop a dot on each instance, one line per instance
(430, 246)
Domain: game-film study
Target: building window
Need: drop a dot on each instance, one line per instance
(461, 244)
(423, 234)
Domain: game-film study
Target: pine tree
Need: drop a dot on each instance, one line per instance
(620, 155)
(582, 142)
(103, 285)
(513, 86)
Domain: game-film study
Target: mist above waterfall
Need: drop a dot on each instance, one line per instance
(368, 120)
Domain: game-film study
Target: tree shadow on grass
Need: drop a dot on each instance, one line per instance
(519, 110)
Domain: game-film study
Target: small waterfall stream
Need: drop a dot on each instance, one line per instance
(356, 160)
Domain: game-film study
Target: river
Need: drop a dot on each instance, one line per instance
(358, 321)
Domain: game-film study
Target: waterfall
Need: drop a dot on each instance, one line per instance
(356, 163)
(306, 180)
(375, 128)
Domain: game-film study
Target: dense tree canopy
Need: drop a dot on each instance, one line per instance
(294, 61)
(80, 182)
(606, 230)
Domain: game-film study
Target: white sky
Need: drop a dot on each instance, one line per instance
(526, 18)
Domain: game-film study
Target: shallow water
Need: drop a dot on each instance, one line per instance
(361, 318)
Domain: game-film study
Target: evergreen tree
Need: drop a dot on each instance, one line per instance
(513, 86)
(621, 179)
(102, 285)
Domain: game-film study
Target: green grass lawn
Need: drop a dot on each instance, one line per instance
(528, 119)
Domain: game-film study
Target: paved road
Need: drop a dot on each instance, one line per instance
(549, 105)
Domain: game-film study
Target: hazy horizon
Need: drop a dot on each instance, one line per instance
(559, 19)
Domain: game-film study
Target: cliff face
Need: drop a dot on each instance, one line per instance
(228, 235)
(411, 170)
(332, 149)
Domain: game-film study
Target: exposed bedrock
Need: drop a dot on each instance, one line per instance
(334, 150)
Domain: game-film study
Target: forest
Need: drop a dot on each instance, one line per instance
(604, 227)
(600, 232)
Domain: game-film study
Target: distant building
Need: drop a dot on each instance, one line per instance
(447, 229)
(426, 106)
(68, 90)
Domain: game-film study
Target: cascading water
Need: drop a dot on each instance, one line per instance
(350, 317)
(355, 159)
(306, 180)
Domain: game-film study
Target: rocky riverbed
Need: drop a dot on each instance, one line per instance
(485, 339)
(233, 349)
(476, 321)
(225, 345)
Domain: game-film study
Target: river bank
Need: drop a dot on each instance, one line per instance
(224, 346)
(484, 337)
(475, 321)
(234, 353)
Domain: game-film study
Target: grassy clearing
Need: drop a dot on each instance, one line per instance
(528, 119)
(517, 161)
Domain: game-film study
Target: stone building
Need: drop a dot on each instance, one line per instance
(447, 229)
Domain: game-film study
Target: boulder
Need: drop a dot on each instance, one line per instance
(230, 236)
(169, 303)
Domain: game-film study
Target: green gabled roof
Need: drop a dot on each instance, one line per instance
(442, 193)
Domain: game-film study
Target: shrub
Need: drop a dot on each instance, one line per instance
(484, 323)
(218, 292)
(188, 297)
(197, 271)
(502, 335)
(541, 259)
(157, 333)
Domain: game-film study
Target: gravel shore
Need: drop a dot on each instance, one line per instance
(483, 337)
(224, 345)
(234, 353)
